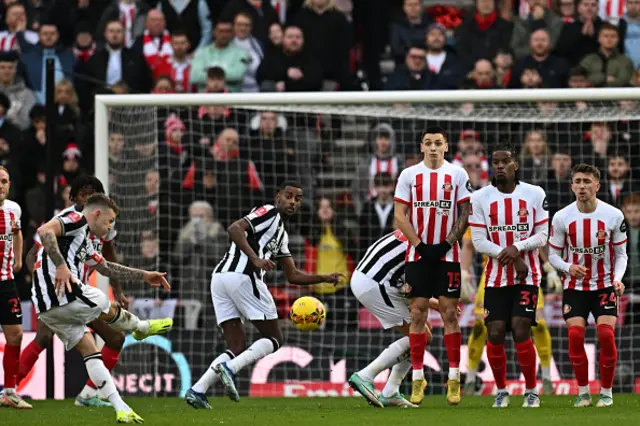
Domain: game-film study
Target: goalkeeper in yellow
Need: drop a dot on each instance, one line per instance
(478, 337)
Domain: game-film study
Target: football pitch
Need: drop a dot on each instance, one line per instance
(474, 411)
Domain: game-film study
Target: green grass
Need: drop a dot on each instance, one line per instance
(474, 411)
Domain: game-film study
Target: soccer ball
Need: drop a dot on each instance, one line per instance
(307, 313)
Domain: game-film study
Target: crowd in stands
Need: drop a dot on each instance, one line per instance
(216, 163)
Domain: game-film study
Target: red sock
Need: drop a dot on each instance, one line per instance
(417, 345)
(498, 362)
(578, 355)
(28, 359)
(527, 360)
(608, 355)
(453, 342)
(110, 358)
(10, 363)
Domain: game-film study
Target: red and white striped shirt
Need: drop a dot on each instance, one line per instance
(509, 219)
(10, 214)
(589, 240)
(9, 41)
(612, 10)
(432, 197)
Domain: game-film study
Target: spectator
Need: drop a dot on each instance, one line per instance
(272, 153)
(116, 146)
(579, 38)
(327, 37)
(595, 152)
(34, 60)
(503, 62)
(155, 42)
(131, 13)
(33, 151)
(192, 17)
(262, 13)
(376, 217)
(244, 39)
(553, 69)
(221, 53)
(71, 164)
(384, 159)
(120, 87)
(618, 183)
(276, 35)
(68, 118)
(558, 183)
(483, 75)
(539, 17)
(84, 47)
(413, 74)
(469, 144)
(631, 37)
(409, 29)
(481, 35)
(631, 209)
(445, 68)
(178, 65)
(16, 36)
(567, 10)
(10, 135)
(578, 79)
(290, 69)
(534, 158)
(116, 63)
(474, 166)
(163, 85)
(608, 67)
(21, 97)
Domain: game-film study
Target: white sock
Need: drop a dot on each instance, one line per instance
(88, 392)
(258, 350)
(126, 321)
(501, 390)
(534, 390)
(454, 374)
(398, 372)
(546, 373)
(389, 357)
(209, 377)
(583, 390)
(9, 391)
(417, 374)
(471, 376)
(101, 377)
(606, 392)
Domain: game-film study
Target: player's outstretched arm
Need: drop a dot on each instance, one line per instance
(296, 276)
(238, 233)
(119, 272)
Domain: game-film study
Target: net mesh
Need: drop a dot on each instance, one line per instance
(182, 174)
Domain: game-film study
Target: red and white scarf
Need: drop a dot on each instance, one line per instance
(180, 72)
(83, 55)
(127, 16)
(8, 41)
(155, 52)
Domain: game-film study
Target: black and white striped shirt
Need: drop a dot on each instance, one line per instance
(77, 249)
(384, 261)
(267, 236)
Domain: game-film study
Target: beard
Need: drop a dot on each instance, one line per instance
(115, 46)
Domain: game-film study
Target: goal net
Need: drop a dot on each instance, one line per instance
(183, 169)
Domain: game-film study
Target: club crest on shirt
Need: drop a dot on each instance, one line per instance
(523, 213)
(567, 308)
(447, 187)
(601, 234)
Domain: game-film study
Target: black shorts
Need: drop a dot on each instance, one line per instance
(433, 279)
(504, 303)
(10, 309)
(577, 303)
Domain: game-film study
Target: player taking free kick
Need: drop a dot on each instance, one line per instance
(509, 223)
(427, 199)
(588, 243)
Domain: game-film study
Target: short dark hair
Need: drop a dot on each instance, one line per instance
(506, 145)
(223, 21)
(85, 182)
(290, 183)
(216, 73)
(111, 21)
(383, 179)
(37, 113)
(102, 200)
(586, 169)
(434, 130)
(608, 26)
(579, 71)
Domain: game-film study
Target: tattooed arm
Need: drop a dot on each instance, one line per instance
(119, 272)
(49, 233)
(461, 225)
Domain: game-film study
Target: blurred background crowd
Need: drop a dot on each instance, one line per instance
(182, 175)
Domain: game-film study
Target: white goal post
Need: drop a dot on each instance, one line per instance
(497, 114)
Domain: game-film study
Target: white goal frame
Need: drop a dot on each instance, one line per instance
(103, 102)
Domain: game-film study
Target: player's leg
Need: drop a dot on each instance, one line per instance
(496, 315)
(113, 342)
(605, 312)
(523, 314)
(124, 321)
(420, 291)
(576, 311)
(477, 341)
(31, 353)
(542, 341)
(99, 374)
(448, 290)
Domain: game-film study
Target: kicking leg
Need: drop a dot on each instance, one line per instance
(32, 352)
(122, 320)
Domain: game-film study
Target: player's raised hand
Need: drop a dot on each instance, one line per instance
(157, 279)
(577, 271)
(508, 255)
(266, 264)
(522, 270)
(63, 279)
(618, 287)
(334, 278)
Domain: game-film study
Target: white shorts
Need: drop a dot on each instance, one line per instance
(391, 311)
(69, 321)
(235, 296)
